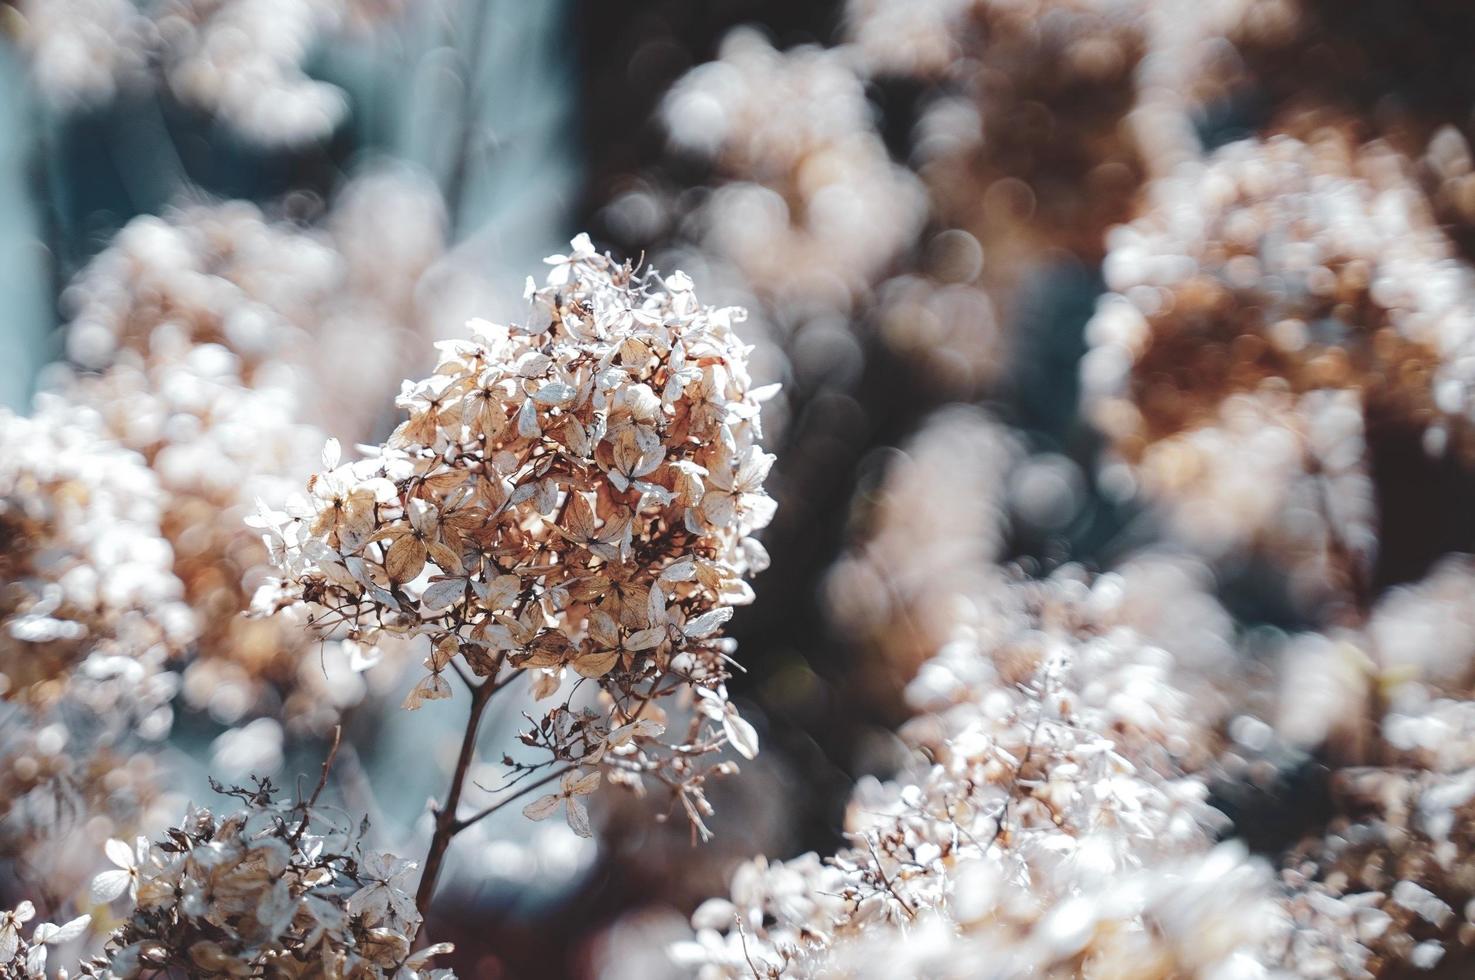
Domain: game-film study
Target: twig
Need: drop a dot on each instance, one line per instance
(461, 825)
(322, 782)
(446, 824)
(445, 815)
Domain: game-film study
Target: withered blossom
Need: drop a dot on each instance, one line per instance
(571, 495)
(1281, 308)
(198, 340)
(272, 889)
(1050, 825)
(240, 60)
(24, 957)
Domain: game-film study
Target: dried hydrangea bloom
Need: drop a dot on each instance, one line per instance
(217, 447)
(242, 61)
(86, 573)
(92, 614)
(1047, 827)
(271, 890)
(1262, 293)
(573, 495)
(1024, 147)
(811, 209)
(1387, 886)
(69, 781)
(209, 331)
(276, 294)
(82, 51)
(1313, 263)
(1028, 139)
(1397, 73)
(215, 273)
(1382, 886)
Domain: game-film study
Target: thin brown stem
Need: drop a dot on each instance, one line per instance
(446, 824)
(482, 814)
(322, 782)
(445, 815)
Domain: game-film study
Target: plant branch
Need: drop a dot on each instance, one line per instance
(480, 815)
(322, 782)
(445, 814)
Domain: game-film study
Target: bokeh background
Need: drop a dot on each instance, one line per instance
(1182, 293)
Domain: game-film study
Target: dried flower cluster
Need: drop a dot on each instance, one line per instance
(811, 209)
(570, 495)
(202, 340)
(1055, 820)
(240, 60)
(1030, 113)
(1278, 305)
(23, 957)
(280, 296)
(270, 890)
(93, 615)
(1021, 147)
(87, 572)
(1273, 652)
(1049, 827)
(999, 851)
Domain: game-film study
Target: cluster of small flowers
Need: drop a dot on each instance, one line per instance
(87, 571)
(1384, 884)
(283, 298)
(272, 890)
(92, 615)
(1055, 822)
(215, 446)
(1387, 885)
(69, 781)
(1047, 827)
(240, 60)
(1026, 134)
(1279, 298)
(200, 336)
(811, 208)
(1024, 146)
(573, 493)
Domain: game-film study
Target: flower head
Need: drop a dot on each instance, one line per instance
(575, 495)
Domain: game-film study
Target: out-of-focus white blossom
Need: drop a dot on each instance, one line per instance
(87, 570)
(240, 60)
(1048, 826)
(814, 209)
(82, 51)
(203, 340)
